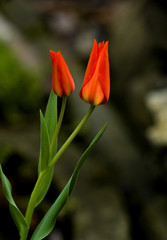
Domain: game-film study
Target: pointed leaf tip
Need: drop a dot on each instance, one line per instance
(17, 216)
(48, 222)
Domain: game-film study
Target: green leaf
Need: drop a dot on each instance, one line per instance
(51, 118)
(45, 186)
(49, 220)
(84, 156)
(17, 216)
(44, 146)
(48, 127)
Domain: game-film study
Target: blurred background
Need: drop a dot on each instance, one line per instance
(122, 189)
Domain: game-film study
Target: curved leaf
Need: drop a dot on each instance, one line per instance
(44, 146)
(48, 127)
(84, 156)
(45, 186)
(51, 117)
(48, 222)
(17, 216)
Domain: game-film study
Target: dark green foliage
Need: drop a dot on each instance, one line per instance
(19, 86)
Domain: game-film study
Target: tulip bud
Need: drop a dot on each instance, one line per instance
(96, 85)
(62, 81)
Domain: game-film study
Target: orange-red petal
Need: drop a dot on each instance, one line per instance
(96, 85)
(62, 81)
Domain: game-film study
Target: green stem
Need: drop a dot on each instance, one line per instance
(63, 106)
(32, 203)
(33, 199)
(72, 136)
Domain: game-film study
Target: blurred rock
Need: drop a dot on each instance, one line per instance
(155, 217)
(157, 103)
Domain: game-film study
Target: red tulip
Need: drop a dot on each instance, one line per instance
(96, 85)
(62, 81)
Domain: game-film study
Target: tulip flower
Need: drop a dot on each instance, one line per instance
(96, 85)
(62, 81)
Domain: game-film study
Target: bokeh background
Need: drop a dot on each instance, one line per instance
(122, 189)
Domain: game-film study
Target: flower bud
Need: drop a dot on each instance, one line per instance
(62, 81)
(96, 85)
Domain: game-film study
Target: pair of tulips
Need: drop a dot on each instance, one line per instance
(96, 85)
(95, 90)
